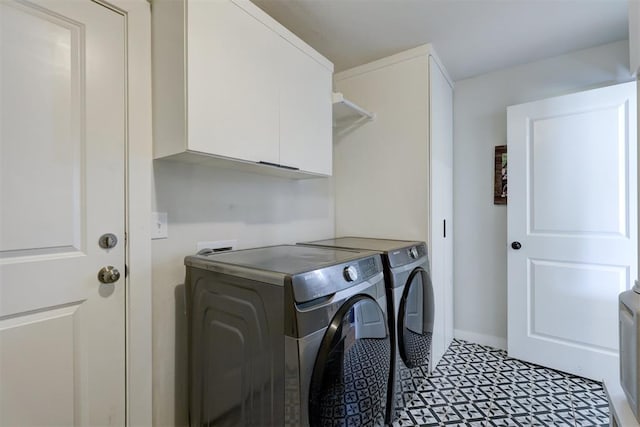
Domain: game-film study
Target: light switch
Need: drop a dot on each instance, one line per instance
(159, 225)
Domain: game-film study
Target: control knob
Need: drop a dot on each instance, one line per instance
(350, 273)
(413, 252)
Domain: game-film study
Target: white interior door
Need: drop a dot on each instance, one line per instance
(573, 208)
(62, 148)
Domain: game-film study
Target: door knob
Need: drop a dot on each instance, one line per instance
(108, 274)
(516, 245)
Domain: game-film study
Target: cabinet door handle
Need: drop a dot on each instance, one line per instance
(444, 228)
(269, 163)
(293, 168)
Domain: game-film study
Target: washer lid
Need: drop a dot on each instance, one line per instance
(284, 259)
(382, 245)
(397, 252)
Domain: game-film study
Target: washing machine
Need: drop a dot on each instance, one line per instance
(287, 335)
(410, 299)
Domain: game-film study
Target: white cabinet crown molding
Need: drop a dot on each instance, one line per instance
(422, 50)
(278, 28)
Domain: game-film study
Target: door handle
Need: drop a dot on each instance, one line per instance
(516, 245)
(108, 274)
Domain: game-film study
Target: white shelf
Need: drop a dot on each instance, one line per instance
(348, 112)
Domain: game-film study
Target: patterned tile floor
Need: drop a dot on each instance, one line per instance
(475, 385)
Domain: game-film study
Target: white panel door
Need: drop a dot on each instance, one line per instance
(62, 148)
(573, 208)
(441, 248)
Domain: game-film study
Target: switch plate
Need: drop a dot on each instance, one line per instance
(159, 225)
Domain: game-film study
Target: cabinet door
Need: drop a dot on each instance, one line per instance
(233, 79)
(441, 140)
(305, 112)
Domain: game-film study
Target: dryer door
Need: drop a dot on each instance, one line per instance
(415, 320)
(349, 381)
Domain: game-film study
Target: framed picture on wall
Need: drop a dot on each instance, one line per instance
(500, 175)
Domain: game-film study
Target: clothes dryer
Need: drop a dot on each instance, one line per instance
(410, 299)
(287, 335)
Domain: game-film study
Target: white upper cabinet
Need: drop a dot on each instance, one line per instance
(234, 88)
(233, 83)
(305, 111)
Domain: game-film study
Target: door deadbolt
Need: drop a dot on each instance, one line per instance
(108, 274)
(108, 241)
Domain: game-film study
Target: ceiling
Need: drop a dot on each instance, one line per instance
(471, 37)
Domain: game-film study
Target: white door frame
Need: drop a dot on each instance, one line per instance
(138, 208)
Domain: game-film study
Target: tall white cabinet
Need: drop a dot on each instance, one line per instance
(393, 175)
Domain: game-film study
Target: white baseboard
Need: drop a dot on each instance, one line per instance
(482, 339)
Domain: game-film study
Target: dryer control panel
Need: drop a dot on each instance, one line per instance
(330, 280)
(407, 255)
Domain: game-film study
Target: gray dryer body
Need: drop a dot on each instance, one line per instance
(411, 301)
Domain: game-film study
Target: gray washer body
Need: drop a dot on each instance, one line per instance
(257, 320)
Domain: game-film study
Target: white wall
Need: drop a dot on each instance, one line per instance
(207, 204)
(388, 156)
(480, 123)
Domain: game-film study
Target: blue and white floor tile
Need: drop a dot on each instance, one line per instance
(479, 386)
